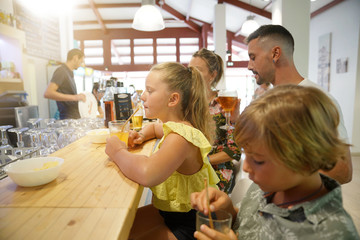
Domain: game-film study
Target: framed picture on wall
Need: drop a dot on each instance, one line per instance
(324, 61)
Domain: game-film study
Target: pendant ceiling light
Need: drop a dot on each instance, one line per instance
(249, 26)
(148, 17)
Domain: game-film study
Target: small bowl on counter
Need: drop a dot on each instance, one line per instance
(34, 171)
(98, 135)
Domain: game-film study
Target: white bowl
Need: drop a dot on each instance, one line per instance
(33, 171)
(98, 135)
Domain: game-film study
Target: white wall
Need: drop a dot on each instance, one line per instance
(343, 22)
(38, 68)
(294, 15)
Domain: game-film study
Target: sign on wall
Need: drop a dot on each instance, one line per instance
(41, 33)
(324, 61)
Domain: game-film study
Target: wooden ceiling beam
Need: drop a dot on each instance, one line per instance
(326, 7)
(98, 16)
(128, 33)
(108, 5)
(249, 7)
(109, 21)
(193, 26)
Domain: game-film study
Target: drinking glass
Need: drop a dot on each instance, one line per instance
(137, 119)
(5, 148)
(20, 143)
(120, 129)
(49, 141)
(50, 122)
(227, 99)
(221, 221)
(4, 136)
(34, 122)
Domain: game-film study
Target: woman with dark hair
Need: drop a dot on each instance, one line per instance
(98, 95)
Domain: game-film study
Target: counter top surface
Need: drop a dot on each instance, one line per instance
(90, 199)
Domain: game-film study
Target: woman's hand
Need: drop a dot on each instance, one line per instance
(114, 145)
(208, 233)
(135, 138)
(236, 111)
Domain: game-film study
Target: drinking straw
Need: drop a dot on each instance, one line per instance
(208, 203)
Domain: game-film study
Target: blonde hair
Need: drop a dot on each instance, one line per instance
(297, 124)
(213, 62)
(191, 87)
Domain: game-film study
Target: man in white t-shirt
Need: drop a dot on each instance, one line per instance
(270, 50)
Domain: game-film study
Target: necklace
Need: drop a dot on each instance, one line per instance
(301, 199)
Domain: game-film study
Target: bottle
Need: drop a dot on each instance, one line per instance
(135, 98)
(113, 81)
(120, 87)
(108, 100)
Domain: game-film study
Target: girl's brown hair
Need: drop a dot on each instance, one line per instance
(189, 83)
(297, 124)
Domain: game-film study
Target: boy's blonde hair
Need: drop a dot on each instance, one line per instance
(191, 87)
(297, 124)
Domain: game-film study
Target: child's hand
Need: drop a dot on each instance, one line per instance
(114, 145)
(135, 138)
(208, 233)
(218, 200)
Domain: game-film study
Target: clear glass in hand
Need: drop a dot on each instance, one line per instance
(227, 99)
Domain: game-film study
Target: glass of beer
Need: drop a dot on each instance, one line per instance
(120, 129)
(227, 99)
(137, 119)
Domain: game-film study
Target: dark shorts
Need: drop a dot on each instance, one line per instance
(181, 224)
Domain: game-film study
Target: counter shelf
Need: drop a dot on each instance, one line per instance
(90, 199)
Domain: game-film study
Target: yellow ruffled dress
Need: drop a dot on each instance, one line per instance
(173, 195)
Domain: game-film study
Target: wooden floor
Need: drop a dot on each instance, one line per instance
(351, 193)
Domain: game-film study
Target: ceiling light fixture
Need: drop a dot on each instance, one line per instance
(250, 25)
(148, 17)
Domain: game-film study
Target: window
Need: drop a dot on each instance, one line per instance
(166, 50)
(120, 52)
(187, 47)
(144, 51)
(93, 50)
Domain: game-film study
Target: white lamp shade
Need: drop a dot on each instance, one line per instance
(148, 18)
(249, 26)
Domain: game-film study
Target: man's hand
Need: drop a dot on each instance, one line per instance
(81, 97)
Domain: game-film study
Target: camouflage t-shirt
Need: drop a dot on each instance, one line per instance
(322, 218)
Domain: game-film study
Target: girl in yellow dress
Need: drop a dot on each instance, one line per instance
(176, 95)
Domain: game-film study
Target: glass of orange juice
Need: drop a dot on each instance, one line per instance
(120, 129)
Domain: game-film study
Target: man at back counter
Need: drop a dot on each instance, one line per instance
(270, 50)
(62, 86)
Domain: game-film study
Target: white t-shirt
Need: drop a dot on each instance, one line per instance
(341, 128)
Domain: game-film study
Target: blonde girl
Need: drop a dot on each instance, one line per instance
(176, 96)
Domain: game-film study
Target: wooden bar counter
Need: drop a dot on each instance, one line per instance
(91, 199)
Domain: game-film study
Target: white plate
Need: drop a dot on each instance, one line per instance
(98, 135)
(89, 108)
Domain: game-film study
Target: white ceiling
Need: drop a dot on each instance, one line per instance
(197, 11)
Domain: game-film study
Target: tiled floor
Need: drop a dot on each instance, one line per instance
(351, 193)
